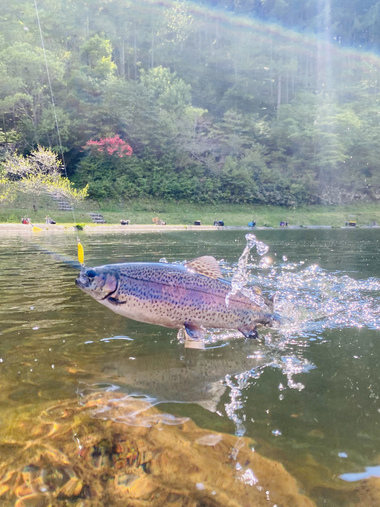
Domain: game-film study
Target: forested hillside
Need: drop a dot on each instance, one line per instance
(251, 101)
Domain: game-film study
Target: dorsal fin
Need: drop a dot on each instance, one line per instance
(206, 265)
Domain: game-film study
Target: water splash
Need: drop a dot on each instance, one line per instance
(237, 384)
(311, 300)
(261, 247)
(241, 276)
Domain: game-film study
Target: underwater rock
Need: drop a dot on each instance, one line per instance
(368, 492)
(117, 450)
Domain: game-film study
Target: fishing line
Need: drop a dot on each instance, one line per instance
(80, 247)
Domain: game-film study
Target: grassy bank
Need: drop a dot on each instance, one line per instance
(142, 212)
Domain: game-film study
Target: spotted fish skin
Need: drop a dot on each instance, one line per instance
(173, 296)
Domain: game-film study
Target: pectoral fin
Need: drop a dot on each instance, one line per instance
(193, 332)
(115, 301)
(249, 332)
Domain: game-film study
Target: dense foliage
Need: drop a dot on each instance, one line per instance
(203, 104)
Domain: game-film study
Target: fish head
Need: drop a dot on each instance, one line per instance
(100, 282)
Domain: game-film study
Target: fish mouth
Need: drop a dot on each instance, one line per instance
(83, 281)
(105, 285)
(80, 284)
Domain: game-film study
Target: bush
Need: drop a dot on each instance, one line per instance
(240, 181)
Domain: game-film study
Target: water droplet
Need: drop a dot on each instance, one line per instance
(163, 260)
(249, 478)
(268, 339)
(277, 433)
(265, 262)
(251, 240)
(261, 248)
(35, 328)
(342, 455)
(284, 258)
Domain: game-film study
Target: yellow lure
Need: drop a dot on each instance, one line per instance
(80, 253)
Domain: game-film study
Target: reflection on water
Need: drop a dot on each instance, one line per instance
(307, 393)
(369, 472)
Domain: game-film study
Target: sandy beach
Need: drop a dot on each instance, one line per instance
(140, 228)
(101, 228)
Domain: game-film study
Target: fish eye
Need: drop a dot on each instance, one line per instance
(91, 273)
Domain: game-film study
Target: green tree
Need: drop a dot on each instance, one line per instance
(24, 91)
(97, 57)
(39, 173)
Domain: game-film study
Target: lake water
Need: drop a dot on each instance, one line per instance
(306, 393)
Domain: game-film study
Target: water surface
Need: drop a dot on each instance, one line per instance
(307, 393)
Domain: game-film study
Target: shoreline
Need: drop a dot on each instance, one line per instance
(101, 228)
(140, 228)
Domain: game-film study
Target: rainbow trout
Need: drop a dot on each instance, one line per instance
(192, 296)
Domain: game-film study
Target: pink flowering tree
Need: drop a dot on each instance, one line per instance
(109, 145)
